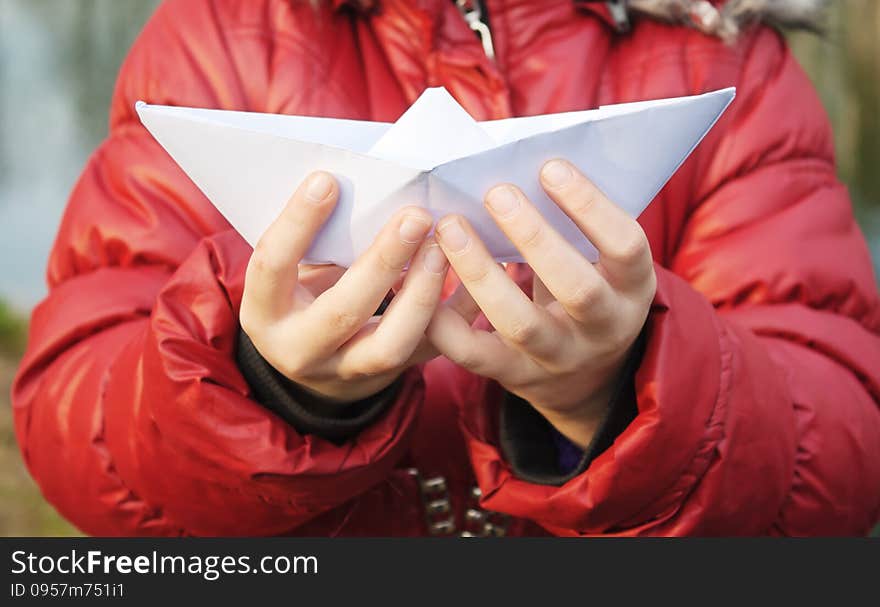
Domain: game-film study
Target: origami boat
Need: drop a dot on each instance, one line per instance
(435, 156)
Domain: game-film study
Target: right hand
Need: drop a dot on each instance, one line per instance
(330, 342)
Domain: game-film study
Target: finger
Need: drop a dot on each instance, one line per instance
(271, 275)
(540, 294)
(317, 279)
(623, 247)
(477, 351)
(403, 324)
(338, 313)
(573, 281)
(340, 364)
(463, 304)
(424, 352)
(510, 311)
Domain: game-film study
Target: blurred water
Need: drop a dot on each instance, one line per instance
(58, 62)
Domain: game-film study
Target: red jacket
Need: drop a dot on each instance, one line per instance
(757, 393)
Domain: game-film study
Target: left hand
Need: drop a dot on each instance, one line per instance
(562, 350)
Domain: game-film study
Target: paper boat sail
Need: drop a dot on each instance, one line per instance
(435, 156)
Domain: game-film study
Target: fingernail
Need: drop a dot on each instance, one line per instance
(453, 235)
(413, 229)
(503, 200)
(319, 187)
(557, 173)
(435, 260)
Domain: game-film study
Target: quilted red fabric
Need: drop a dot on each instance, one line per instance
(757, 396)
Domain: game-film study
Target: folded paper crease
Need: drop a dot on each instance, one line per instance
(435, 156)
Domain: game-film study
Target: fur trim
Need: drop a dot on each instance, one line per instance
(724, 19)
(733, 16)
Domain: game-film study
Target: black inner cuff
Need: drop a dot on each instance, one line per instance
(305, 411)
(527, 437)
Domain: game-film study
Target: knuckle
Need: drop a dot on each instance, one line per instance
(424, 299)
(264, 261)
(476, 274)
(390, 263)
(533, 236)
(384, 361)
(343, 321)
(524, 331)
(465, 356)
(585, 200)
(584, 298)
(633, 248)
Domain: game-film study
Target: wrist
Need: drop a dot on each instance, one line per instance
(339, 396)
(580, 422)
(310, 413)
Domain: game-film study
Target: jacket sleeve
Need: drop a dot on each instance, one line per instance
(309, 413)
(758, 391)
(130, 410)
(540, 454)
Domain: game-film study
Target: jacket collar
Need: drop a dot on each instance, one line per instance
(600, 8)
(612, 13)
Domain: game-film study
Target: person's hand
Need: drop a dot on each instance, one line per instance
(562, 350)
(323, 335)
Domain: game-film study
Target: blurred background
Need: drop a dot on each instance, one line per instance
(58, 64)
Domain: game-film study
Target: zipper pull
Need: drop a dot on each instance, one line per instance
(473, 16)
(618, 11)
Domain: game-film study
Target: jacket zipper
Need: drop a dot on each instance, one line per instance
(477, 18)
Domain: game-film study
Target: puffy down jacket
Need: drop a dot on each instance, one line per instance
(757, 392)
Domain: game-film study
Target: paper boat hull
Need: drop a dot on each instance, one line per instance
(630, 157)
(249, 174)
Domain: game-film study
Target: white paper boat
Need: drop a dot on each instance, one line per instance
(435, 156)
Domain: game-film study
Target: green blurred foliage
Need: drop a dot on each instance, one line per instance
(23, 511)
(844, 65)
(13, 331)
